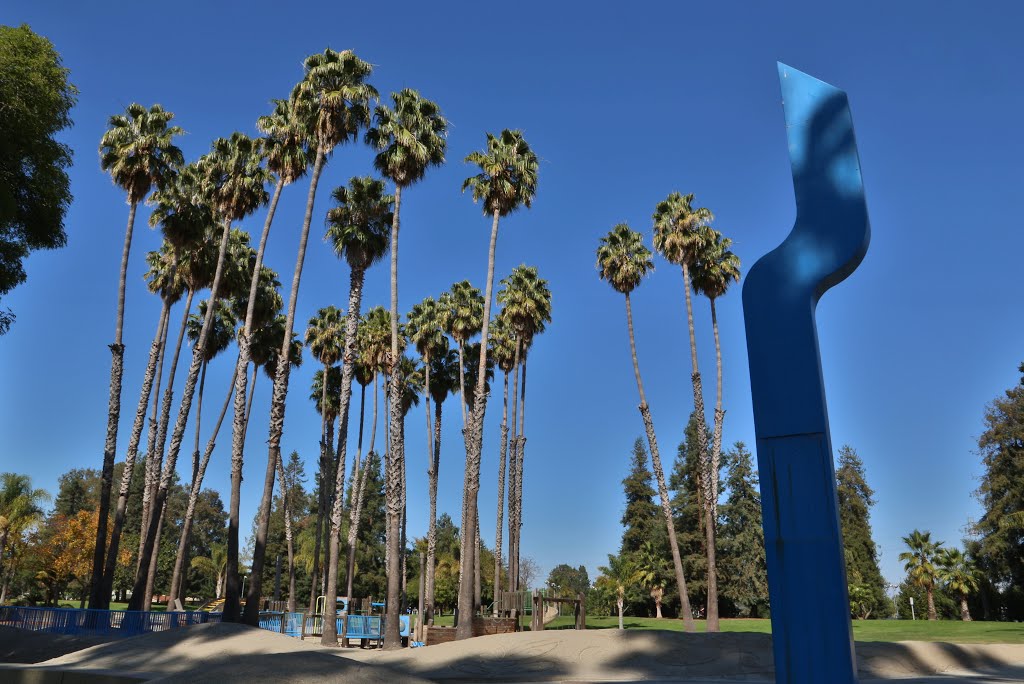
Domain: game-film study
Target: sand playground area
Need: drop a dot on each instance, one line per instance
(233, 653)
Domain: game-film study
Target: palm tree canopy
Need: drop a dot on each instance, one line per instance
(285, 142)
(618, 575)
(239, 260)
(163, 277)
(677, 234)
(181, 207)
(508, 174)
(333, 99)
(472, 370)
(526, 299)
(409, 138)
(715, 266)
(919, 562)
(234, 177)
(266, 346)
(444, 375)
(622, 259)
(268, 299)
(412, 384)
(424, 329)
(325, 335)
(138, 149)
(197, 263)
(20, 504)
(502, 343)
(959, 573)
(374, 338)
(462, 311)
(222, 328)
(333, 391)
(359, 227)
(362, 372)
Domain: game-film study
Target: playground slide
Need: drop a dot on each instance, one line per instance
(550, 613)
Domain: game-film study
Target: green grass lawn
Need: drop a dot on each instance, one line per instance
(953, 631)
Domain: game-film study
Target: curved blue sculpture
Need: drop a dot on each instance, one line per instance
(810, 608)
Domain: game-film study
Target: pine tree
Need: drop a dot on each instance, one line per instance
(640, 520)
(1000, 549)
(855, 501)
(743, 574)
(685, 482)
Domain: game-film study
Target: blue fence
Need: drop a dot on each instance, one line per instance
(116, 623)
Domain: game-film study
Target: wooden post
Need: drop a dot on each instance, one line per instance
(581, 622)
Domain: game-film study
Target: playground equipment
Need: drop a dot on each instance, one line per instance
(812, 635)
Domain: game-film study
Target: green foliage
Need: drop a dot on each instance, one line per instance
(565, 580)
(687, 495)
(411, 137)
(508, 174)
(742, 569)
(622, 259)
(855, 501)
(641, 520)
(1000, 548)
(35, 193)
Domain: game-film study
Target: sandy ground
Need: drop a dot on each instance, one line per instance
(229, 653)
(21, 646)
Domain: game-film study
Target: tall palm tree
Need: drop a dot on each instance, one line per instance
(410, 138)
(325, 397)
(921, 564)
(623, 261)
(527, 305)
(358, 228)
(462, 317)
(286, 146)
(503, 344)
(20, 507)
(507, 181)
(235, 183)
(445, 379)
(679, 237)
(138, 151)
(324, 337)
(960, 575)
(333, 102)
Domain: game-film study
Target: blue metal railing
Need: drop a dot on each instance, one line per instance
(99, 622)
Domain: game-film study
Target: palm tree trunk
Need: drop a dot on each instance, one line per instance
(155, 458)
(965, 612)
(513, 555)
(501, 496)
(932, 615)
(110, 562)
(287, 533)
(179, 428)
(620, 602)
(396, 451)
(113, 418)
(199, 419)
(435, 464)
(462, 382)
(321, 496)
(178, 576)
(666, 505)
(329, 634)
(520, 449)
(474, 447)
(709, 475)
(240, 421)
(358, 466)
(280, 392)
(154, 556)
(716, 445)
(361, 494)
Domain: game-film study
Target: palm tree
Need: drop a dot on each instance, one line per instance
(138, 151)
(679, 236)
(235, 183)
(920, 564)
(358, 229)
(960, 575)
(332, 101)
(444, 369)
(623, 261)
(618, 576)
(20, 507)
(462, 317)
(215, 564)
(503, 344)
(527, 305)
(409, 138)
(506, 182)
(286, 148)
(652, 571)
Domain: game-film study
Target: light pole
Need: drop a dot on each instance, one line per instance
(912, 615)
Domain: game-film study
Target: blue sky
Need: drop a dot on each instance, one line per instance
(623, 108)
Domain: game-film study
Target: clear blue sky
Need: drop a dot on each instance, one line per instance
(623, 107)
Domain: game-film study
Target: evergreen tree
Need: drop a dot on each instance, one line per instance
(855, 501)
(640, 519)
(743, 573)
(685, 483)
(1000, 548)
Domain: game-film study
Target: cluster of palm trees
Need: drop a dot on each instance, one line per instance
(928, 563)
(683, 235)
(196, 206)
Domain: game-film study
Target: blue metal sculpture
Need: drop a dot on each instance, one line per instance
(810, 609)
